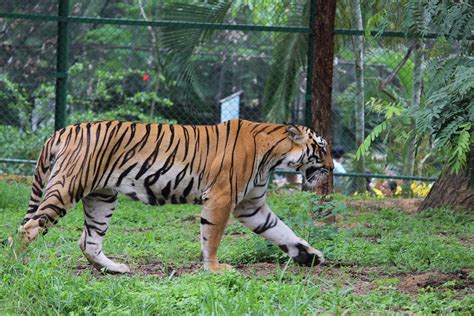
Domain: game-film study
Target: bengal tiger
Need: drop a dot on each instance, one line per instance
(224, 167)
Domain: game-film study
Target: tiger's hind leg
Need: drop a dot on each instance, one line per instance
(98, 209)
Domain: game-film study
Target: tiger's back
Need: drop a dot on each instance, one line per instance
(156, 163)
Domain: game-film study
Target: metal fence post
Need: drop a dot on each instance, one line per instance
(62, 65)
(308, 120)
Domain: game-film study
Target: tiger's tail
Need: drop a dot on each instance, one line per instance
(42, 173)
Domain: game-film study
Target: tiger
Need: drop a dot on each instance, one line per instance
(225, 167)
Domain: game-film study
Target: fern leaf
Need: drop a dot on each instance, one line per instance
(364, 147)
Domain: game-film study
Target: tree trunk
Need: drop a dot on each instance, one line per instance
(411, 148)
(358, 43)
(323, 30)
(453, 190)
(155, 53)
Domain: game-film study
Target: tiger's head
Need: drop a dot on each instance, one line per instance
(309, 155)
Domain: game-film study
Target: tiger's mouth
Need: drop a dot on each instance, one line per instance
(314, 175)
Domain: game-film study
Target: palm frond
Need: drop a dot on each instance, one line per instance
(181, 44)
(289, 58)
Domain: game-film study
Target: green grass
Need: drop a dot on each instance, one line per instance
(375, 251)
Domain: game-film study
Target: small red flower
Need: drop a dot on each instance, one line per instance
(146, 77)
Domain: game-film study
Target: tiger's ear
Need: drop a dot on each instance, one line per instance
(295, 134)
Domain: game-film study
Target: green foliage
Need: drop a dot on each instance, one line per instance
(123, 113)
(289, 58)
(267, 12)
(15, 143)
(390, 59)
(14, 103)
(377, 23)
(448, 113)
(183, 44)
(444, 118)
(191, 68)
(108, 89)
(451, 18)
(394, 114)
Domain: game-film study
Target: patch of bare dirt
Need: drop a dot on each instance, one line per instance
(157, 268)
(467, 241)
(14, 178)
(360, 280)
(411, 282)
(347, 225)
(137, 230)
(373, 238)
(409, 206)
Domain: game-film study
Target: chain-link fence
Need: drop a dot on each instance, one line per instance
(198, 63)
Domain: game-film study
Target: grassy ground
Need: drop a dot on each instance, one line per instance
(379, 261)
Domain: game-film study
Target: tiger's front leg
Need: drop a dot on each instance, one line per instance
(261, 220)
(214, 219)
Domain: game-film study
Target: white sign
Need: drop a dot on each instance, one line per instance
(230, 107)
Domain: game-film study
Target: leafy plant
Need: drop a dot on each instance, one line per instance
(448, 115)
(16, 143)
(393, 113)
(14, 103)
(289, 60)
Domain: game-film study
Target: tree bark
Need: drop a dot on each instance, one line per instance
(453, 190)
(358, 43)
(323, 30)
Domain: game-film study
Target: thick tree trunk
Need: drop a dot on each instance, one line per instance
(358, 44)
(452, 190)
(323, 30)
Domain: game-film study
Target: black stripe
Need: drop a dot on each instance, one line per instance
(166, 190)
(133, 196)
(205, 222)
(251, 214)
(180, 176)
(99, 231)
(188, 188)
(59, 210)
(260, 196)
(174, 200)
(124, 174)
(267, 225)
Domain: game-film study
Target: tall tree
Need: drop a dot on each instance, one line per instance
(358, 43)
(411, 147)
(323, 30)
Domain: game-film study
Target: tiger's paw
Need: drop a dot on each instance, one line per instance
(219, 268)
(116, 268)
(308, 256)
